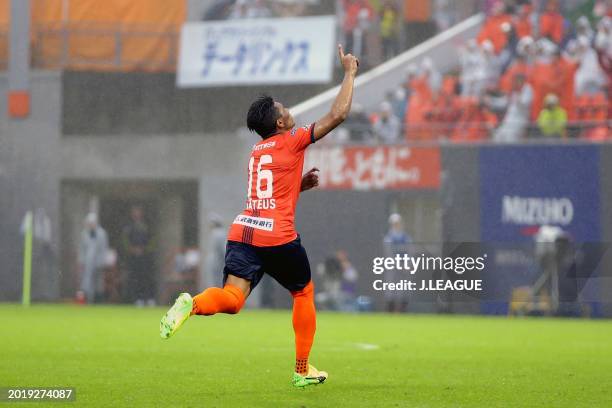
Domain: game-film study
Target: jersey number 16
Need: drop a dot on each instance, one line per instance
(261, 175)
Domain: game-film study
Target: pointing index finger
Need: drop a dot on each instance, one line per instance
(340, 51)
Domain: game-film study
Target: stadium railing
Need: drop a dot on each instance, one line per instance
(117, 47)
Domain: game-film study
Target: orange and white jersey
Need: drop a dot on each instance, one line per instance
(274, 181)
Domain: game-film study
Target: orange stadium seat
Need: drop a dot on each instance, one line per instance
(590, 112)
(589, 108)
(449, 84)
(474, 122)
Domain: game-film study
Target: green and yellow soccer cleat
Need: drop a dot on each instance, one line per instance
(313, 377)
(176, 315)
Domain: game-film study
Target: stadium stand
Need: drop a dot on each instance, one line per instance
(558, 57)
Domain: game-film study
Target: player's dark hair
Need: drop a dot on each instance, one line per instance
(262, 116)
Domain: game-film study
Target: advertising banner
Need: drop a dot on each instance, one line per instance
(375, 168)
(525, 187)
(257, 51)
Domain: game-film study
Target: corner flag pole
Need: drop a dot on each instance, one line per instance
(27, 260)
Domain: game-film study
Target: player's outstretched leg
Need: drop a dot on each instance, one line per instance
(304, 326)
(230, 300)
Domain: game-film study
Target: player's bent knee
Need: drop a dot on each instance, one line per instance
(308, 291)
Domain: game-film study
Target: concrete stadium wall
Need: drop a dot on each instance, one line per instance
(30, 168)
(128, 104)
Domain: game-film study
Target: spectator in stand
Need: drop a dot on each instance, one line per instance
(590, 78)
(522, 21)
(358, 125)
(492, 27)
(552, 120)
(472, 70)
(551, 22)
(421, 95)
(527, 48)
(290, 8)
(603, 8)
(475, 123)
(411, 72)
(603, 36)
(508, 54)
(387, 126)
(444, 15)
(440, 114)
(516, 120)
(583, 28)
(357, 14)
(520, 65)
(389, 29)
(399, 101)
(245, 9)
(603, 45)
(491, 65)
(544, 51)
(553, 73)
(432, 75)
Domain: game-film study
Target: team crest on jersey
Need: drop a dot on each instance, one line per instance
(294, 130)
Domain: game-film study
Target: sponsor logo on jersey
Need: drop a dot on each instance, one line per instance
(537, 210)
(266, 224)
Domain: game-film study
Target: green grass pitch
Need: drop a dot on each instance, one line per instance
(113, 356)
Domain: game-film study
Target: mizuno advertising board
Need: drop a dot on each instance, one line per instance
(256, 52)
(523, 188)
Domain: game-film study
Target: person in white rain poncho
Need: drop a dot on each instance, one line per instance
(434, 78)
(388, 126)
(590, 78)
(491, 66)
(472, 70)
(518, 104)
(92, 256)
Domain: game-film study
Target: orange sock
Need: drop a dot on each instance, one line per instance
(304, 326)
(230, 300)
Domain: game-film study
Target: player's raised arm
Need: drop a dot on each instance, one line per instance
(342, 105)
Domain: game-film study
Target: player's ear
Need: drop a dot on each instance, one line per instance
(280, 123)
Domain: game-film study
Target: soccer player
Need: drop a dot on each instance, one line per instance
(262, 239)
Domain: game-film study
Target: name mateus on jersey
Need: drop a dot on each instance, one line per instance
(264, 146)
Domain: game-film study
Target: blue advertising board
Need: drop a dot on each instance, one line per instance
(525, 187)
